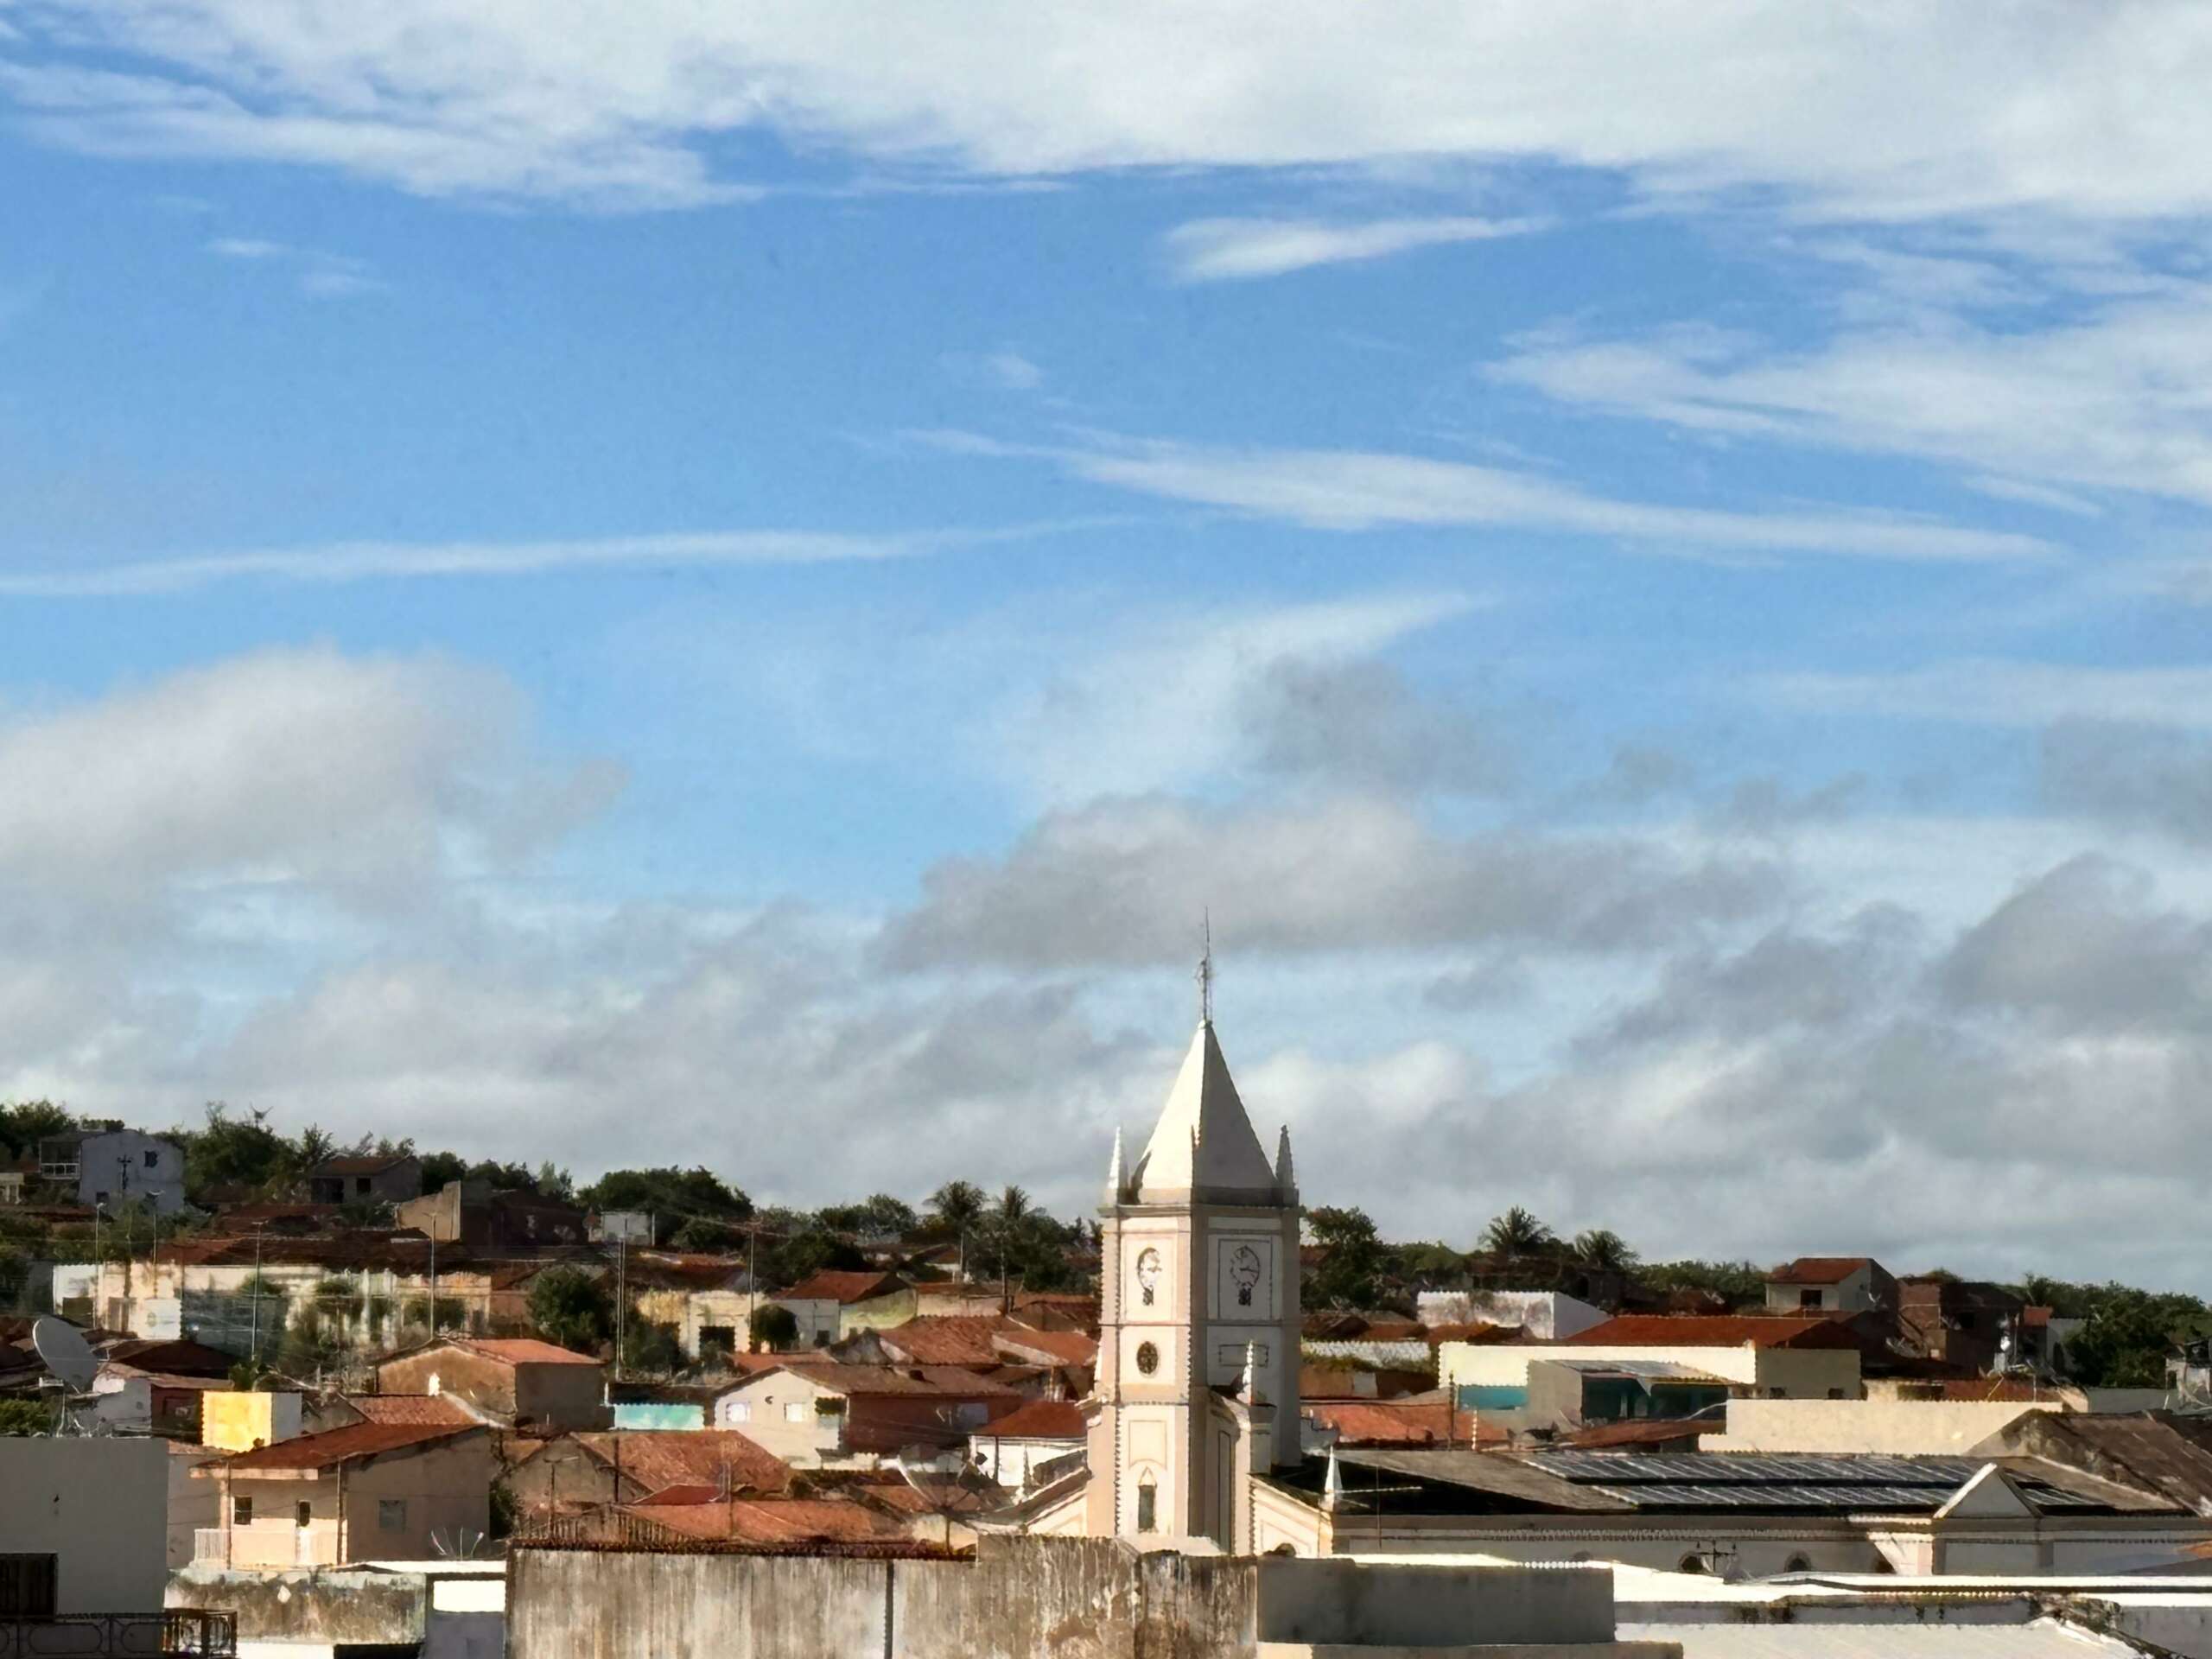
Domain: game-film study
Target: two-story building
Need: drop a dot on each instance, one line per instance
(1831, 1284)
(107, 1164)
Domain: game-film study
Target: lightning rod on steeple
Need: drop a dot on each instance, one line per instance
(1205, 974)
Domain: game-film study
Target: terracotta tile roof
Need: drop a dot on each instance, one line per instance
(685, 1269)
(521, 1350)
(1819, 1270)
(1040, 1419)
(1395, 1422)
(953, 1381)
(1062, 1347)
(408, 1408)
(777, 1520)
(843, 1288)
(2034, 1317)
(353, 1444)
(946, 1338)
(1711, 1330)
(1645, 1431)
(659, 1459)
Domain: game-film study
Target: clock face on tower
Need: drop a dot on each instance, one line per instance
(1244, 1278)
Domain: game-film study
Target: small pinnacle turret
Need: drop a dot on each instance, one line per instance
(1286, 1177)
(1114, 1178)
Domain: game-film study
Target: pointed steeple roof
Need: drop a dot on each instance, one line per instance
(1203, 1142)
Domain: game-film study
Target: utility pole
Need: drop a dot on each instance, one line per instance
(258, 1226)
(432, 1320)
(621, 1297)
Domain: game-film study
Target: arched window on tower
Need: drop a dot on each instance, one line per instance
(1147, 1505)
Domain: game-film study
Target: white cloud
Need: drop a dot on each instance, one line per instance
(1151, 701)
(2113, 400)
(1227, 250)
(290, 767)
(1355, 490)
(1893, 112)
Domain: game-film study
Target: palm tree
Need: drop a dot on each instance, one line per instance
(958, 1204)
(1013, 1205)
(1603, 1248)
(1515, 1234)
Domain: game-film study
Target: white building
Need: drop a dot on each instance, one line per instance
(1543, 1315)
(84, 1524)
(113, 1165)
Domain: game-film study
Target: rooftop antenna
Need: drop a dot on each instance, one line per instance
(72, 1363)
(1205, 973)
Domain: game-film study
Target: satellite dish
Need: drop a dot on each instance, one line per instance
(65, 1353)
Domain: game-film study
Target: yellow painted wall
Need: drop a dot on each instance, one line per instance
(239, 1420)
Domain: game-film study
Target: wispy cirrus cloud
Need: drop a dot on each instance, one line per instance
(342, 562)
(1233, 250)
(1359, 490)
(2111, 399)
(321, 275)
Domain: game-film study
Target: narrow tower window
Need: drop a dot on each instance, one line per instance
(1148, 1506)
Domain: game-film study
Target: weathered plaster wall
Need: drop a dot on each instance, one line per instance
(100, 1507)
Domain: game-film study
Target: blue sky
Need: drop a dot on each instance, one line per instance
(728, 590)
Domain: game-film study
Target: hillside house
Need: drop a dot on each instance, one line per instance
(830, 1306)
(366, 1177)
(519, 1382)
(107, 1164)
(1776, 1359)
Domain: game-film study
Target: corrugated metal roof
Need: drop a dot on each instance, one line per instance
(2043, 1639)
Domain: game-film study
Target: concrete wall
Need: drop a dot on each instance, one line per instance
(1542, 1315)
(1901, 1428)
(100, 1507)
(1346, 1601)
(1069, 1599)
(192, 1500)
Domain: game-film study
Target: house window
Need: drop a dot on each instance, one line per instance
(391, 1515)
(28, 1583)
(1809, 1299)
(153, 1160)
(241, 1511)
(737, 1411)
(1148, 1506)
(361, 1185)
(303, 1512)
(796, 1412)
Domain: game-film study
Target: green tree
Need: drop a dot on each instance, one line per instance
(957, 1205)
(26, 1417)
(673, 1196)
(772, 1327)
(1737, 1283)
(649, 1345)
(441, 1169)
(1351, 1258)
(231, 1151)
(26, 1122)
(571, 1308)
(1517, 1233)
(1603, 1248)
(879, 1216)
(311, 1345)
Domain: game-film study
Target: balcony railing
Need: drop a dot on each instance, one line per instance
(121, 1636)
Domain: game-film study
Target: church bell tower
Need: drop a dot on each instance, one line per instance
(1198, 1339)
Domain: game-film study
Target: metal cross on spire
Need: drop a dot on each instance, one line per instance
(1205, 974)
